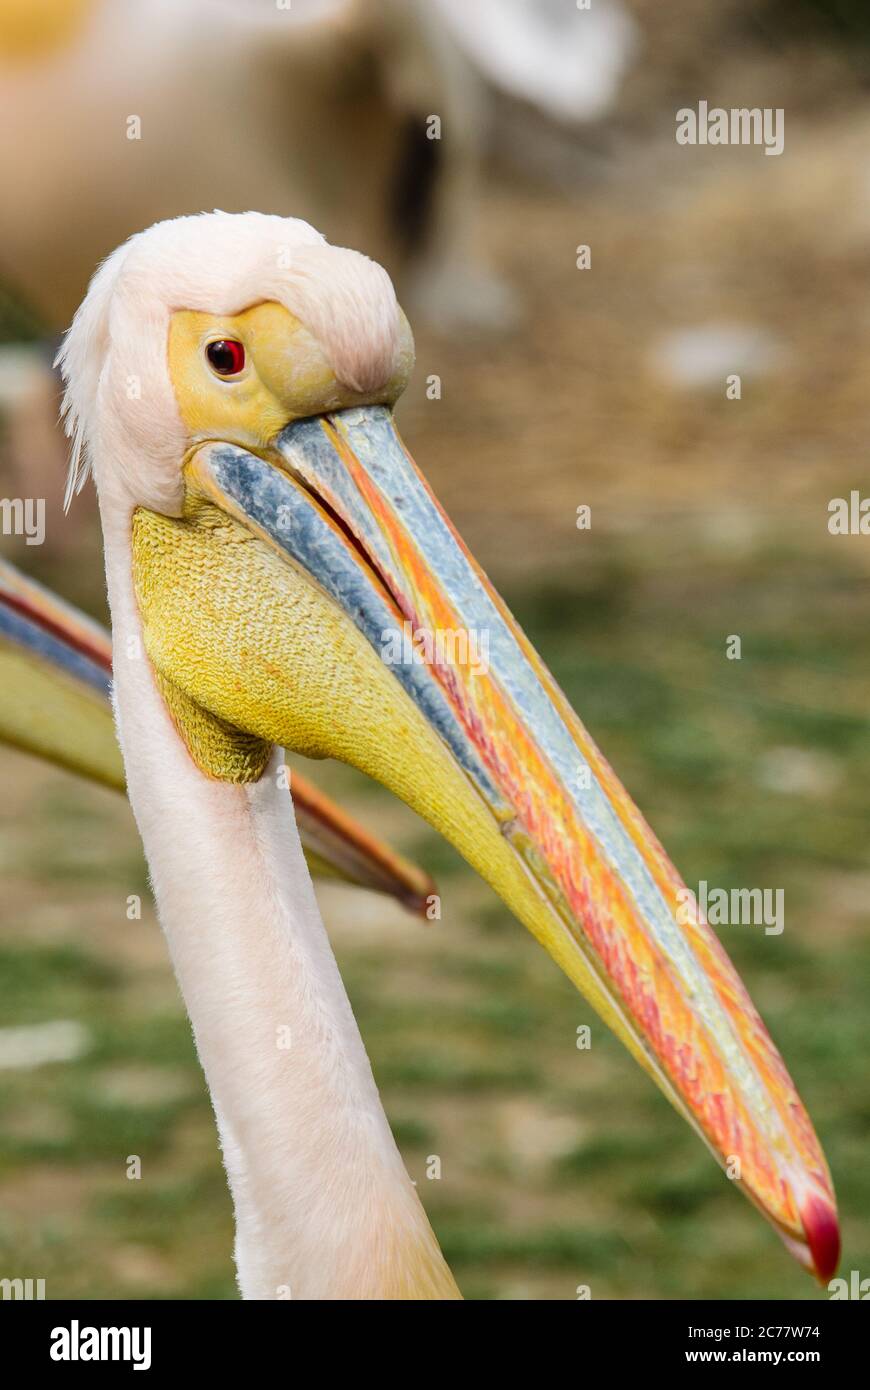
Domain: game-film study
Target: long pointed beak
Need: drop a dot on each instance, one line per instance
(55, 683)
(358, 626)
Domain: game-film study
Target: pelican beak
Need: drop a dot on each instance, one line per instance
(55, 683)
(55, 675)
(316, 595)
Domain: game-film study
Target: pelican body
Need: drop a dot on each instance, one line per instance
(125, 113)
(231, 382)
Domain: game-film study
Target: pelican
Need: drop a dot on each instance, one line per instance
(126, 113)
(129, 113)
(55, 675)
(230, 383)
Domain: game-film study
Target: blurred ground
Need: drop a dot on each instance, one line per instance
(709, 518)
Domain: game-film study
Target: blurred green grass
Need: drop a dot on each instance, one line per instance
(559, 1167)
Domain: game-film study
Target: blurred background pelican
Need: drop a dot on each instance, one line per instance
(708, 519)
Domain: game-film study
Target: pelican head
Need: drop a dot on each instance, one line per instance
(232, 380)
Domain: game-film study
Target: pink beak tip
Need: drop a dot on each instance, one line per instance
(822, 1231)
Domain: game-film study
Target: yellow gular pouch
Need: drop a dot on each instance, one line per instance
(249, 650)
(219, 749)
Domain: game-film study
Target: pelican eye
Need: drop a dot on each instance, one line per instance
(226, 356)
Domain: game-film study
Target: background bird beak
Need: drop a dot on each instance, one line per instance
(326, 578)
(55, 681)
(55, 675)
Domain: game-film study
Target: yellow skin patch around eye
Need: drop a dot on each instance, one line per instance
(286, 375)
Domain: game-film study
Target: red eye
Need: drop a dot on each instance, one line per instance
(226, 356)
